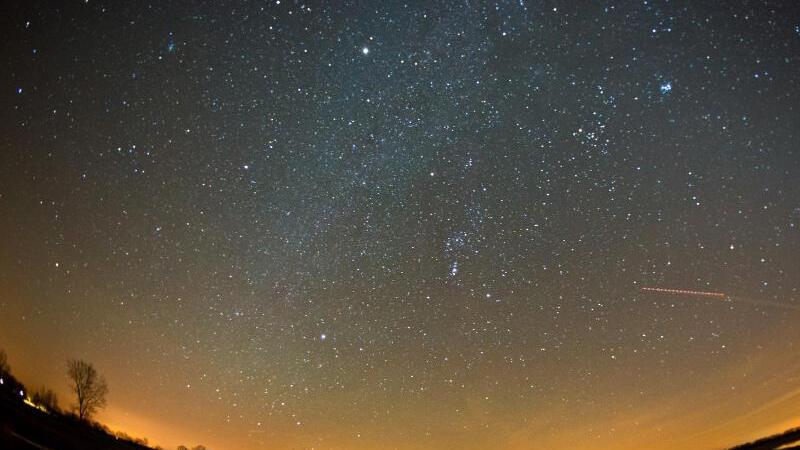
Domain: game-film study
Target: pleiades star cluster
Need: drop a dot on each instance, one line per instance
(423, 225)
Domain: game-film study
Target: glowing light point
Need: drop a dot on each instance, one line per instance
(665, 88)
(365, 51)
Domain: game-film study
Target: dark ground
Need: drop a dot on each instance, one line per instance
(788, 440)
(24, 427)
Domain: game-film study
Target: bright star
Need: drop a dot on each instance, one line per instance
(454, 269)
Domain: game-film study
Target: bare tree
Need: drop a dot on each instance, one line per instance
(47, 398)
(4, 367)
(89, 387)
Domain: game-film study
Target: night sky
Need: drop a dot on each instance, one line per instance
(355, 225)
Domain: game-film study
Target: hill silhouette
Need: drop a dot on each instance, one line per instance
(788, 440)
(27, 428)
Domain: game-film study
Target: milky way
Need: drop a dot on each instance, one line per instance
(384, 225)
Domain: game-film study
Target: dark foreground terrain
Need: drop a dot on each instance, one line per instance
(788, 440)
(24, 427)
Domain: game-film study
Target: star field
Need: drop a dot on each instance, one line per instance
(367, 225)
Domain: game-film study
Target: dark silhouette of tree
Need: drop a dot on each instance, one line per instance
(8, 384)
(182, 447)
(89, 387)
(47, 398)
(5, 369)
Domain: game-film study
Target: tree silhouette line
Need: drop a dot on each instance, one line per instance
(86, 384)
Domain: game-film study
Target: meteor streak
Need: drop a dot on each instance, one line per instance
(684, 292)
(722, 295)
